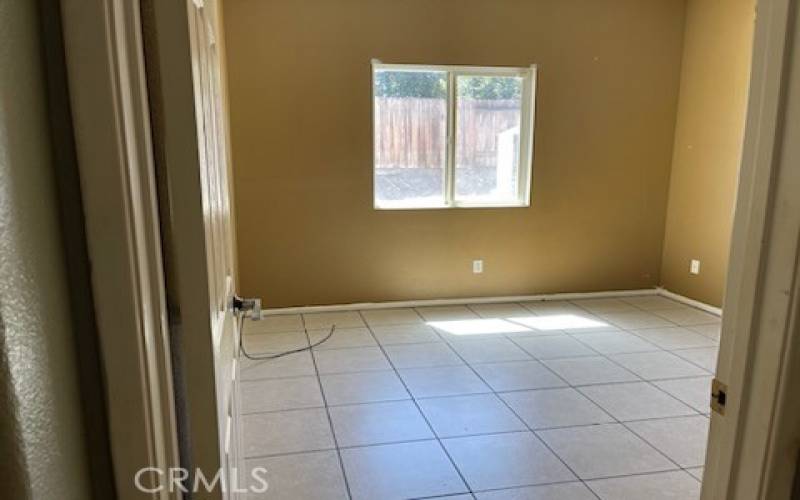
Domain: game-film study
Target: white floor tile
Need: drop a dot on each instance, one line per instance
(695, 392)
(676, 485)
(682, 439)
(274, 323)
(292, 365)
(604, 305)
(636, 319)
(564, 491)
(675, 338)
(635, 401)
(445, 313)
(615, 342)
(704, 357)
(442, 381)
(283, 432)
(572, 322)
(604, 451)
(461, 330)
(422, 355)
(340, 319)
(379, 423)
(589, 370)
(547, 408)
(466, 415)
(549, 307)
(280, 394)
(388, 444)
(658, 365)
(271, 343)
(502, 310)
(405, 334)
(518, 375)
(505, 461)
(696, 472)
(363, 387)
(651, 302)
(358, 359)
(399, 471)
(342, 338)
(310, 476)
(688, 316)
(710, 331)
(489, 350)
(555, 346)
(399, 316)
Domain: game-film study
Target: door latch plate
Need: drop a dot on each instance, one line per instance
(719, 396)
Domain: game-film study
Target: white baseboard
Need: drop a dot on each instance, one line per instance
(689, 302)
(489, 300)
(471, 300)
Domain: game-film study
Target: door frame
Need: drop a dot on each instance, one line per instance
(108, 96)
(762, 299)
(113, 103)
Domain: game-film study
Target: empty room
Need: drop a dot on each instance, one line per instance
(503, 229)
(400, 249)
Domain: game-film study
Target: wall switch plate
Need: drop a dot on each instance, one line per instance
(694, 266)
(477, 266)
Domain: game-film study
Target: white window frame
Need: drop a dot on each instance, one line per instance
(527, 119)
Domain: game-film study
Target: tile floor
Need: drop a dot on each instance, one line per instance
(589, 399)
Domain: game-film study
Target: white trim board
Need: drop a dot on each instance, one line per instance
(492, 300)
(479, 300)
(689, 302)
(452, 302)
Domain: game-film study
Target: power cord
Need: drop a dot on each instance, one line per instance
(253, 357)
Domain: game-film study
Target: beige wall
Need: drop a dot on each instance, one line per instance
(708, 140)
(299, 78)
(42, 442)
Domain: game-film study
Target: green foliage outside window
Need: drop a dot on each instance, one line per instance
(432, 84)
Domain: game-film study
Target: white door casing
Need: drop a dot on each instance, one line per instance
(761, 298)
(116, 94)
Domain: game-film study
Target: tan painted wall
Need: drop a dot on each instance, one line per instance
(299, 79)
(708, 142)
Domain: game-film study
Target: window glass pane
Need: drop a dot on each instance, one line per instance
(488, 117)
(410, 138)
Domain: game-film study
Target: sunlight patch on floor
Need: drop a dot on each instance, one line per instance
(478, 326)
(560, 322)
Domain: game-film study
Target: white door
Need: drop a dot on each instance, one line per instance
(190, 138)
(211, 140)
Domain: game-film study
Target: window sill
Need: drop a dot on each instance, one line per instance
(451, 207)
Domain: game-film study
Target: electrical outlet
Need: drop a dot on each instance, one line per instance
(694, 266)
(477, 266)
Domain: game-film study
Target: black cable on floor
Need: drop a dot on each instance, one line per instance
(280, 354)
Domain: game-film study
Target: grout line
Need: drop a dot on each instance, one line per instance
(498, 394)
(425, 417)
(676, 352)
(491, 390)
(522, 420)
(619, 422)
(622, 423)
(328, 414)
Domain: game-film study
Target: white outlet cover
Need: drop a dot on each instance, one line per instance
(477, 266)
(694, 266)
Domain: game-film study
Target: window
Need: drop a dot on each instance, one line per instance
(452, 136)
